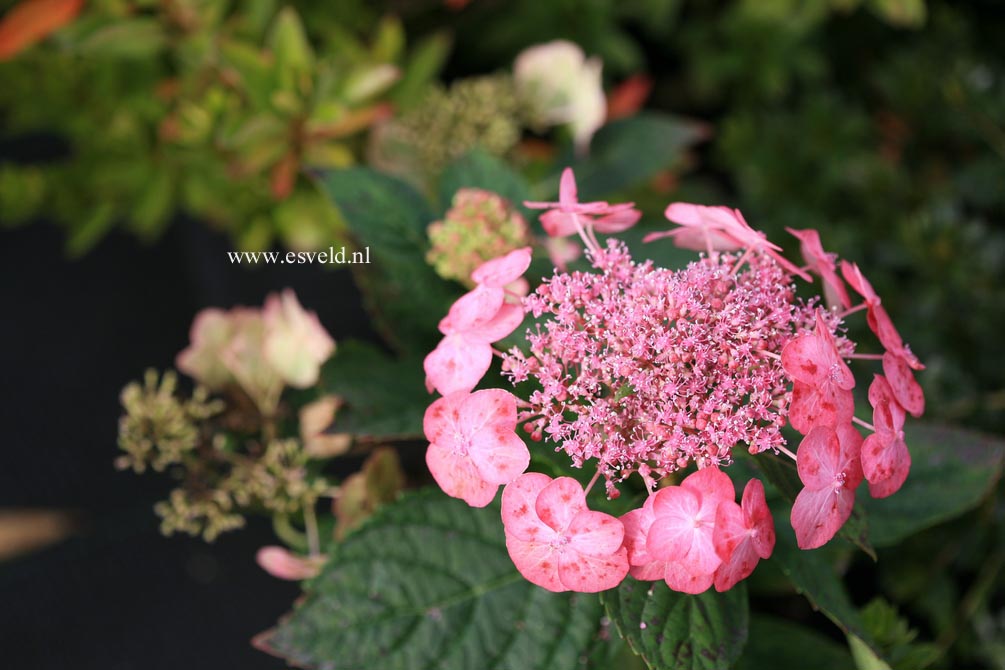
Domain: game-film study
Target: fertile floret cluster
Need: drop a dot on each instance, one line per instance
(633, 368)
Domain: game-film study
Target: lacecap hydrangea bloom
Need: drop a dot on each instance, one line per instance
(641, 371)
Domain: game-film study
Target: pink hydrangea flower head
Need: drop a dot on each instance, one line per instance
(473, 444)
(885, 458)
(829, 467)
(558, 543)
(823, 264)
(296, 344)
(504, 270)
(744, 534)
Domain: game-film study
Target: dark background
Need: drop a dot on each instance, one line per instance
(117, 594)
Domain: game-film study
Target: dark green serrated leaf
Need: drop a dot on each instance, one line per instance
(427, 583)
(385, 398)
(781, 472)
(627, 152)
(404, 295)
(952, 471)
(676, 631)
(478, 169)
(783, 645)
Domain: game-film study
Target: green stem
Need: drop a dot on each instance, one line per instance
(290, 536)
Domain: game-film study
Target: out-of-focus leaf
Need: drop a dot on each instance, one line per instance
(84, 236)
(478, 169)
(389, 42)
(384, 398)
(31, 21)
(153, 208)
(903, 13)
(253, 69)
(627, 152)
(952, 471)
(138, 37)
(427, 583)
(784, 645)
(421, 70)
(368, 82)
(291, 49)
(405, 296)
(677, 631)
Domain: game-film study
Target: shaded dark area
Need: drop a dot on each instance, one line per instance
(117, 594)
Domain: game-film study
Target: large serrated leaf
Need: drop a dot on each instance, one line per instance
(426, 584)
(385, 398)
(402, 292)
(952, 471)
(676, 631)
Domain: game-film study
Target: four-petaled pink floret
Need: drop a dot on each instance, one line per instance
(568, 215)
(556, 541)
(473, 446)
(830, 470)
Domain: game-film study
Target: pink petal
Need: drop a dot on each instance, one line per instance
(442, 418)
(712, 484)
(283, 564)
(557, 223)
(619, 219)
(882, 326)
(596, 534)
(879, 393)
(472, 309)
(818, 515)
(730, 529)
(590, 574)
(682, 530)
(518, 514)
(559, 503)
(500, 456)
(905, 387)
(457, 476)
(486, 409)
(457, 364)
(806, 359)
(818, 459)
(537, 562)
(568, 194)
(637, 524)
(885, 458)
(853, 275)
(679, 578)
(759, 519)
(739, 566)
(649, 572)
(819, 406)
(498, 272)
(507, 319)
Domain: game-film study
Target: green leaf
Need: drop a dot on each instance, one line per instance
(677, 631)
(783, 645)
(125, 38)
(814, 576)
(627, 152)
(781, 472)
(385, 398)
(421, 70)
(478, 169)
(952, 471)
(427, 583)
(291, 49)
(404, 295)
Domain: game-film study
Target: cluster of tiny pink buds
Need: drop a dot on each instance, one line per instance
(637, 369)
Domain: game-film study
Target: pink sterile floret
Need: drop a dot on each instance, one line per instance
(885, 458)
(473, 444)
(823, 264)
(568, 215)
(829, 467)
(672, 536)
(744, 534)
(822, 382)
(504, 270)
(555, 541)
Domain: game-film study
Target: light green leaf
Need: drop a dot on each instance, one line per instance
(676, 631)
(427, 584)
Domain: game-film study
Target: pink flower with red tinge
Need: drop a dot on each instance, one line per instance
(637, 369)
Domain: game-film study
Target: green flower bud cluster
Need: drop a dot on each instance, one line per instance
(478, 227)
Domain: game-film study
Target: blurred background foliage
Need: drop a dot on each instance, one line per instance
(879, 122)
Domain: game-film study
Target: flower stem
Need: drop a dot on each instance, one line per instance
(864, 424)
